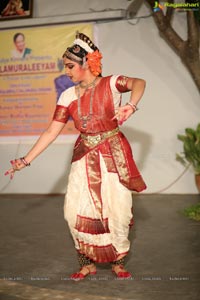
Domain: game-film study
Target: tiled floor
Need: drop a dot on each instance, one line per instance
(37, 254)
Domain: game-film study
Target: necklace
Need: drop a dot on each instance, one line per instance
(85, 118)
(88, 85)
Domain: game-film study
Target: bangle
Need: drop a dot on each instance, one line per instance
(25, 162)
(134, 107)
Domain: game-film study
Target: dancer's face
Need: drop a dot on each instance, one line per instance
(73, 70)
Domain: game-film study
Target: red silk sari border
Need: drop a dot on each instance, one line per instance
(92, 226)
(101, 254)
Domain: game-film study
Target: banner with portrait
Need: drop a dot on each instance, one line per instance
(32, 77)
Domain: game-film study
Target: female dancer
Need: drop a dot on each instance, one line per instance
(98, 201)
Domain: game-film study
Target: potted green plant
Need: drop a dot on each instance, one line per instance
(191, 151)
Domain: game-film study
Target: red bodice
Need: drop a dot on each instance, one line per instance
(102, 109)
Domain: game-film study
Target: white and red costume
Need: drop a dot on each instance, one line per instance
(98, 201)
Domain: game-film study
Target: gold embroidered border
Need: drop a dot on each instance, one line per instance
(94, 178)
(119, 158)
(128, 173)
(110, 166)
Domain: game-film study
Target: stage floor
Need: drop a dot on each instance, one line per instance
(37, 254)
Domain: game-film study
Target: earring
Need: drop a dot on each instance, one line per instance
(84, 62)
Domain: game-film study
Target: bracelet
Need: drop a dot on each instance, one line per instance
(134, 107)
(25, 162)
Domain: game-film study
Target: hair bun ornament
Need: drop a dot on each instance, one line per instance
(85, 42)
(94, 62)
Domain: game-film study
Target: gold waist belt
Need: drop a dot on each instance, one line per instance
(93, 140)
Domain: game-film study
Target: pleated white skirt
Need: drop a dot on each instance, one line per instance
(101, 237)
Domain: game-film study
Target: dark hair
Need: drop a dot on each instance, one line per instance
(16, 36)
(76, 52)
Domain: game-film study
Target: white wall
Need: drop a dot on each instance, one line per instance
(170, 103)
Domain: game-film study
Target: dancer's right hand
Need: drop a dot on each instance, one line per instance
(17, 165)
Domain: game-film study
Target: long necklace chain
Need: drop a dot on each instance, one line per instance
(85, 118)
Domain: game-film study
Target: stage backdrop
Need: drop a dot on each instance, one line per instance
(30, 85)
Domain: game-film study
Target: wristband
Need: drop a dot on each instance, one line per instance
(134, 107)
(25, 162)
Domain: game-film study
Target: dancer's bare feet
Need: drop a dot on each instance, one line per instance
(120, 271)
(84, 271)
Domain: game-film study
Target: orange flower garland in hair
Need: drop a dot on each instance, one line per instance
(94, 62)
